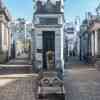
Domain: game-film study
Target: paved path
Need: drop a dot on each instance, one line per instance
(20, 89)
(74, 62)
(20, 65)
(20, 60)
(15, 70)
(17, 89)
(82, 84)
(17, 81)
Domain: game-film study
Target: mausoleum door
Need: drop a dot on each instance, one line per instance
(48, 44)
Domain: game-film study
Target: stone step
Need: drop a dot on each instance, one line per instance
(15, 65)
(15, 69)
(15, 76)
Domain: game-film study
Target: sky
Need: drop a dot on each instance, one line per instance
(73, 8)
(79, 8)
(20, 8)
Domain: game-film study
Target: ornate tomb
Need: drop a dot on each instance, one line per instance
(48, 49)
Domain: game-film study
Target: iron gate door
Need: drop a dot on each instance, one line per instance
(48, 44)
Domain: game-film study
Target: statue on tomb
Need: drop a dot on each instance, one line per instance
(50, 60)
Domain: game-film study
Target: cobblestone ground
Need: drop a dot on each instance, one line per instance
(82, 84)
(17, 89)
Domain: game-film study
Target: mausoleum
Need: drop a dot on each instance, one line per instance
(48, 33)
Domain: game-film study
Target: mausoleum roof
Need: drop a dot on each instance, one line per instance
(4, 10)
(48, 7)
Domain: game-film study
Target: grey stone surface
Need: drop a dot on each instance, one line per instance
(82, 84)
(17, 89)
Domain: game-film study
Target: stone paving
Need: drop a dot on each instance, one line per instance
(17, 82)
(20, 89)
(82, 84)
(19, 65)
(15, 70)
(17, 89)
(20, 60)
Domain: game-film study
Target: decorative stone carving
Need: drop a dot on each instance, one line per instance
(50, 84)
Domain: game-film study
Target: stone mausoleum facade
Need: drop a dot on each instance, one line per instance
(48, 33)
(5, 33)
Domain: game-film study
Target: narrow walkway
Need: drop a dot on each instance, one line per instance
(20, 65)
(18, 89)
(74, 62)
(82, 81)
(23, 59)
(17, 81)
(82, 84)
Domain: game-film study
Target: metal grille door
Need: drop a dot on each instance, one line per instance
(48, 44)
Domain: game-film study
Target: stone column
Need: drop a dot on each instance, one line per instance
(96, 43)
(57, 47)
(2, 34)
(89, 42)
(38, 46)
(92, 43)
